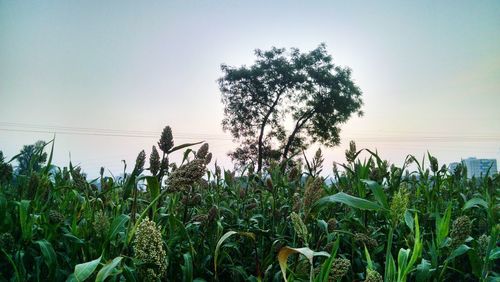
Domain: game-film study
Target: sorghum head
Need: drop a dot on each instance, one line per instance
(140, 161)
(166, 140)
(154, 161)
(373, 276)
(148, 248)
(340, 267)
(460, 230)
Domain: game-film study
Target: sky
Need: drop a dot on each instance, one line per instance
(107, 76)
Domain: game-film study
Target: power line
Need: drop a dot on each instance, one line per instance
(108, 134)
(70, 130)
(98, 130)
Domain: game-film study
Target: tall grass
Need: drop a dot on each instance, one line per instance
(192, 221)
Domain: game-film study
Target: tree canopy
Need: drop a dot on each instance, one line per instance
(286, 101)
(31, 158)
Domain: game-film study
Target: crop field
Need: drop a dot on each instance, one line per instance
(193, 221)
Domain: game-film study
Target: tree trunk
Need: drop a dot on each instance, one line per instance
(298, 125)
(262, 127)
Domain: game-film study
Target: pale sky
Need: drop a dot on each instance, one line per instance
(429, 72)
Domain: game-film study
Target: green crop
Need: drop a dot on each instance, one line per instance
(193, 221)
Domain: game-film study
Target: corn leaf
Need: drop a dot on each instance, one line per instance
(84, 270)
(108, 269)
(49, 255)
(474, 203)
(346, 199)
(117, 225)
(378, 192)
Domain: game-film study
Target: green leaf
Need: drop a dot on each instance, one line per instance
(182, 146)
(73, 239)
(49, 255)
(327, 265)
(402, 262)
(443, 227)
(187, 268)
(224, 238)
(378, 192)
(495, 253)
(417, 249)
(154, 190)
(390, 269)
(460, 250)
(349, 200)
(423, 271)
(475, 262)
(24, 206)
(13, 264)
(474, 203)
(368, 259)
(129, 273)
(84, 270)
(49, 162)
(409, 220)
(107, 269)
(117, 225)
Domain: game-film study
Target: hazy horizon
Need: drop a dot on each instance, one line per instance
(109, 76)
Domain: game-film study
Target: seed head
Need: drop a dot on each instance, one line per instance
(100, 224)
(7, 242)
(251, 206)
(242, 193)
(340, 267)
(350, 154)
(213, 212)
(154, 161)
(332, 224)
(202, 151)
(434, 164)
(217, 171)
(297, 202)
(460, 230)
(166, 140)
(293, 173)
(202, 218)
(373, 276)
(313, 192)
(269, 184)
(55, 217)
(482, 244)
(368, 241)
(399, 204)
(335, 169)
(208, 158)
(191, 200)
(299, 227)
(186, 175)
(140, 161)
(148, 248)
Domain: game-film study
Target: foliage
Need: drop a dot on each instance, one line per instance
(31, 158)
(198, 222)
(305, 88)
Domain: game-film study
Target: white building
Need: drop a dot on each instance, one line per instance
(479, 167)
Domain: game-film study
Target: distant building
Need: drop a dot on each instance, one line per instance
(477, 167)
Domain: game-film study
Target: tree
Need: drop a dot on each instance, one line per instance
(304, 89)
(5, 170)
(31, 158)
